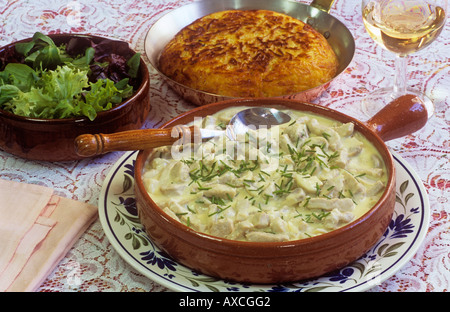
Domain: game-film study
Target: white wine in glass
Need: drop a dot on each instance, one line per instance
(402, 27)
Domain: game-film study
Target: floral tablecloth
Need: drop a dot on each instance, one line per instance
(94, 265)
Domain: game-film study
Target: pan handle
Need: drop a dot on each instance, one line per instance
(323, 5)
(401, 117)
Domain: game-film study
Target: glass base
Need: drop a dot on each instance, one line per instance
(378, 99)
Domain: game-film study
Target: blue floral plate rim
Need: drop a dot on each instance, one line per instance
(400, 242)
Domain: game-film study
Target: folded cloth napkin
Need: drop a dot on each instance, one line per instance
(37, 229)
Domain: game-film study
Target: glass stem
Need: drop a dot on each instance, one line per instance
(400, 75)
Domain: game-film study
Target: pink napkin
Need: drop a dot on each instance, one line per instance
(37, 229)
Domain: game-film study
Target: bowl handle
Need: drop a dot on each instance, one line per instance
(402, 116)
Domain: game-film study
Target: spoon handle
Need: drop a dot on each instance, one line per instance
(88, 145)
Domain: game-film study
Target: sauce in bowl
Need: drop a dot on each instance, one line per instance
(297, 180)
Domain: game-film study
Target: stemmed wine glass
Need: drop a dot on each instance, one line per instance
(402, 27)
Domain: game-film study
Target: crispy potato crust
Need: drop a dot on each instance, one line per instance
(253, 53)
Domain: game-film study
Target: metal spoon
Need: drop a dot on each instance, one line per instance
(88, 145)
(253, 118)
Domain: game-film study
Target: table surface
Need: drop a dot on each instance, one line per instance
(94, 265)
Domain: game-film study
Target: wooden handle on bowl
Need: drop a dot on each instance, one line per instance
(402, 116)
(88, 145)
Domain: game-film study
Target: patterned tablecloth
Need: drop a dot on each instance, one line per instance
(94, 265)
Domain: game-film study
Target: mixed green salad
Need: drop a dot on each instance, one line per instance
(40, 79)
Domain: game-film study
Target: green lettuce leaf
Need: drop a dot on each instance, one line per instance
(104, 94)
(7, 93)
(65, 92)
(56, 95)
(20, 75)
(133, 64)
(57, 84)
(41, 51)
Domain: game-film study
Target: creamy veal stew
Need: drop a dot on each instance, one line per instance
(300, 179)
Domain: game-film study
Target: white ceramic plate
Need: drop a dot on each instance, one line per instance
(118, 216)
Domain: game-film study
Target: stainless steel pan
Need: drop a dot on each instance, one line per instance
(315, 14)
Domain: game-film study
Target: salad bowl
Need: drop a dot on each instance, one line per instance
(46, 139)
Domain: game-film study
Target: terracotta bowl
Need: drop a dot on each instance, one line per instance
(274, 262)
(52, 139)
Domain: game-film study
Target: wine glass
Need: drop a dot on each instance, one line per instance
(402, 27)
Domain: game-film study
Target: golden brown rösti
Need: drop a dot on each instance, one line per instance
(249, 53)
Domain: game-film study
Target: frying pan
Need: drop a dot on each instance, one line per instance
(315, 14)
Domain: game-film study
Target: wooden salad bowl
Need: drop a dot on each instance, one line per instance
(280, 262)
(52, 139)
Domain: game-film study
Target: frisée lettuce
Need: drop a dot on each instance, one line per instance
(54, 82)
